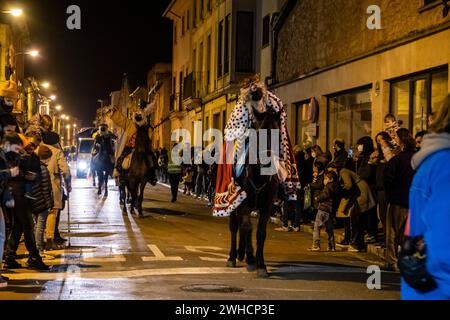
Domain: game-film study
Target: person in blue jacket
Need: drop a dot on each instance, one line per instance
(430, 206)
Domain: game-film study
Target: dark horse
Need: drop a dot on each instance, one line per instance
(102, 161)
(261, 193)
(142, 171)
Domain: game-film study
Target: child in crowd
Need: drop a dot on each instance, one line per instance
(42, 192)
(188, 180)
(325, 214)
(391, 125)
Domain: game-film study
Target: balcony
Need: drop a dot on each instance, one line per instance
(195, 87)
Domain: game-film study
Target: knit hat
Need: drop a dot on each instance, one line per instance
(44, 153)
(9, 90)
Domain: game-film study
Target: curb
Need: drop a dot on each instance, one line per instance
(371, 249)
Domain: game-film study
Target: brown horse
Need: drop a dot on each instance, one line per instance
(261, 193)
(142, 171)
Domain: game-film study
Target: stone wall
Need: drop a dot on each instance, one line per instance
(320, 33)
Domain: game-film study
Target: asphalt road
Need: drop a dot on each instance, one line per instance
(179, 251)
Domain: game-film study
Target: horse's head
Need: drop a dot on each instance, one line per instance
(139, 118)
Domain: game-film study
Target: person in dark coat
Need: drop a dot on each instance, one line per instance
(305, 163)
(42, 192)
(340, 154)
(378, 160)
(22, 218)
(367, 172)
(398, 176)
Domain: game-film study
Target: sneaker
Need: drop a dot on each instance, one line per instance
(314, 249)
(12, 264)
(282, 229)
(354, 249)
(331, 249)
(342, 244)
(254, 214)
(3, 282)
(295, 229)
(37, 264)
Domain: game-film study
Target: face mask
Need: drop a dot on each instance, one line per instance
(360, 148)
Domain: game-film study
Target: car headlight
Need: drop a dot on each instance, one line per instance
(82, 165)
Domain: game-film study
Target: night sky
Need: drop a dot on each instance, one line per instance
(116, 37)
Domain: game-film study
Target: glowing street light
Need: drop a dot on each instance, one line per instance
(14, 12)
(67, 118)
(46, 85)
(53, 97)
(33, 53)
(58, 108)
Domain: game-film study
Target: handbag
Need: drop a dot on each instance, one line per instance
(348, 207)
(412, 263)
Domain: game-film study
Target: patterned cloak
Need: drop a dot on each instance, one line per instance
(229, 195)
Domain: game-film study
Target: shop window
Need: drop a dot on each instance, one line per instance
(305, 130)
(414, 99)
(350, 116)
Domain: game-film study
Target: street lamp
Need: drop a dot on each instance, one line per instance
(14, 12)
(53, 97)
(58, 108)
(33, 53)
(68, 135)
(45, 85)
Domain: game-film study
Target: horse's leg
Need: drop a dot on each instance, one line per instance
(100, 181)
(242, 244)
(141, 198)
(234, 227)
(246, 232)
(106, 177)
(261, 234)
(133, 186)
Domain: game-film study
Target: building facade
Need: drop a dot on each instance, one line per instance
(326, 50)
(162, 73)
(216, 44)
(14, 40)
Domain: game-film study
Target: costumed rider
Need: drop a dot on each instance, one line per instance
(229, 195)
(127, 141)
(104, 139)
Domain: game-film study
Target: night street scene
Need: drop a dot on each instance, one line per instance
(224, 156)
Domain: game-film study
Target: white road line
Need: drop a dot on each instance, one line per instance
(109, 275)
(159, 256)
